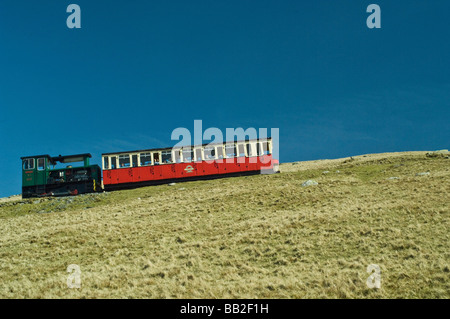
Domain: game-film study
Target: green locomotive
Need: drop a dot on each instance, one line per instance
(39, 179)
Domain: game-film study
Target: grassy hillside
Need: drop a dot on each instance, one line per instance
(262, 236)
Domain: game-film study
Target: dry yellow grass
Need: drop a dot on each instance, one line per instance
(248, 237)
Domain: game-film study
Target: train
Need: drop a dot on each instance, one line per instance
(132, 169)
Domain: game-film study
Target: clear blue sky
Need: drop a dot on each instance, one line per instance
(136, 70)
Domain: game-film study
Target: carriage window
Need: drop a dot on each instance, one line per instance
(250, 149)
(219, 152)
(198, 154)
(259, 149)
(113, 162)
(241, 150)
(210, 153)
(230, 150)
(28, 163)
(167, 157)
(146, 159)
(156, 158)
(41, 164)
(134, 159)
(124, 160)
(176, 156)
(188, 155)
(265, 148)
(105, 163)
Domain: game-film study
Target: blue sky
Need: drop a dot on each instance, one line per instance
(136, 70)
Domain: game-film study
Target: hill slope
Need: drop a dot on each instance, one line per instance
(262, 236)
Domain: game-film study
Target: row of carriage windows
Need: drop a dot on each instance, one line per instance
(186, 155)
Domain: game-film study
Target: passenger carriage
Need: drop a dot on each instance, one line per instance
(157, 166)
